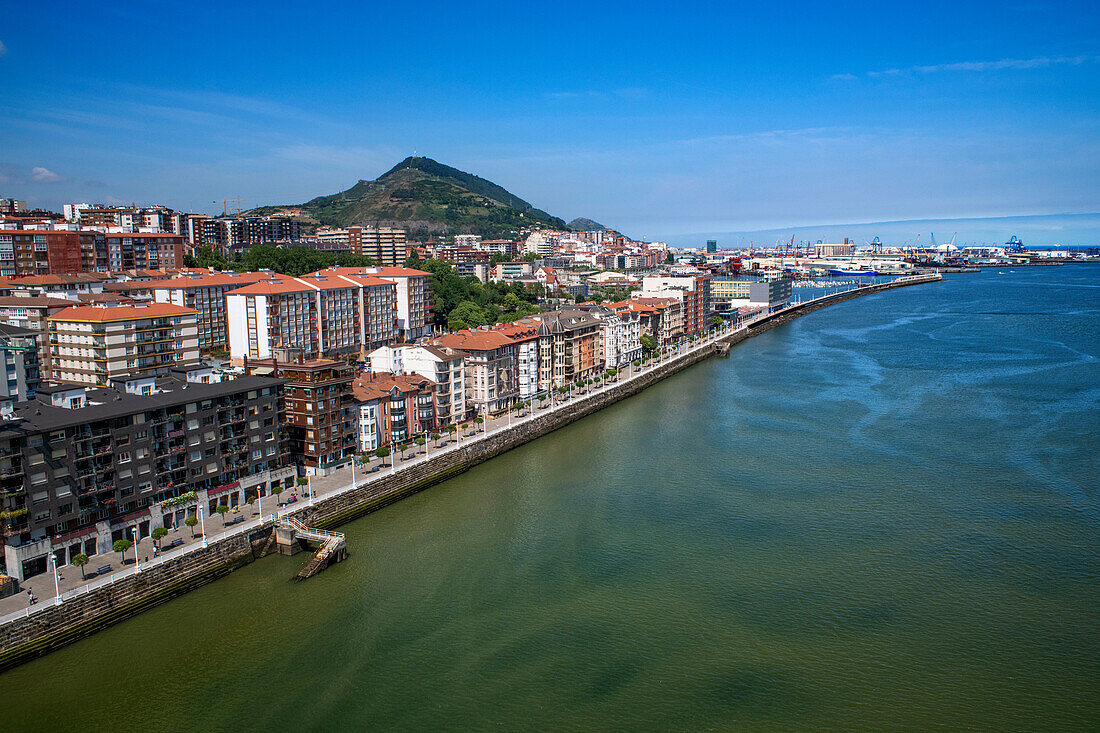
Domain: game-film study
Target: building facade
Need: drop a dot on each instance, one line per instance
(92, 344)
(82, 467)
(320, 421)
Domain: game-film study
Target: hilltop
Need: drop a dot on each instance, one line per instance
(427, 197)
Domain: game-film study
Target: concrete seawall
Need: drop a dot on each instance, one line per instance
(50, 628)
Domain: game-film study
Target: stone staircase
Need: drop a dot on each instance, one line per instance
(333, 547)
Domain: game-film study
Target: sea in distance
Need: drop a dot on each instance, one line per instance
(880, 516)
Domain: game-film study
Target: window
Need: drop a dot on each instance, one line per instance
(124, 457)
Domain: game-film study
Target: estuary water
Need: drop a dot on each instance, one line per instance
(882, 516)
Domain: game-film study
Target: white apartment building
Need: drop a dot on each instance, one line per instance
(205, 293)
(324, 316)
(414, 304)
(91, 344)
(446, 369)
(621, 334)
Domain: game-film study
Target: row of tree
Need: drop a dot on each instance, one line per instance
(296, 260)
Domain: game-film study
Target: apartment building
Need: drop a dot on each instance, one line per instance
(524, 333)
(326, 315)
(570, 347)
(26, 252)
(490, 367)
(20, 367)
(413, 296)
(205, 294)
(392, 408)
(445, 369)
(32, 312)
(620, 334)
(659, 318)
(690, 290)
(81, 467)
(138, 251)
(386, 245)
(92, 344)
(320, 420)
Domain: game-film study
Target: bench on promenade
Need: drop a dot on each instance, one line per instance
(231, 522)
(174, 543)
(103, 569)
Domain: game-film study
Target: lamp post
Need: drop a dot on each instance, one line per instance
(137, 555)
(56, 580)
(202, 520)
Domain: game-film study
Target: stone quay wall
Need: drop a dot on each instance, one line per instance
(52, 628)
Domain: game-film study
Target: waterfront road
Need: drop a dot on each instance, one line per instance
(69, 582)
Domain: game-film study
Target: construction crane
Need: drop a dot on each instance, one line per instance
(225, 209)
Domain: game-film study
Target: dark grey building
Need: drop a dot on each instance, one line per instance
(82, 467)
(20, 372)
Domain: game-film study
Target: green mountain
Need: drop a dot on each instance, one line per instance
(427, 197)
(580, 224)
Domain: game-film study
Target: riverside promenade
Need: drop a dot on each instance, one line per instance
(69, 609)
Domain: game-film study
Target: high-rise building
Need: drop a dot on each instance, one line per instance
(712, 246)
(385, 245)
(205, 293)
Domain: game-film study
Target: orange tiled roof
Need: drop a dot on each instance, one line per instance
(473, 340)
(100, 314)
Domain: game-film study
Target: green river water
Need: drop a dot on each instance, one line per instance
(881, 516)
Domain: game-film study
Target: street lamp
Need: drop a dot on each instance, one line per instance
(56, 580)
(202, 520)
(137, 555)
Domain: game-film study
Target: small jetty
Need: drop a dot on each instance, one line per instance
(292, 534)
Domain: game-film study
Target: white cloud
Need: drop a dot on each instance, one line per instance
(44, 175)
(3, 49)
(1038, 62)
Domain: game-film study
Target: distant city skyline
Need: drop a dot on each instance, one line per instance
(706, 120)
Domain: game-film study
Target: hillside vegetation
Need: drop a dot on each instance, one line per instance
(427, 197)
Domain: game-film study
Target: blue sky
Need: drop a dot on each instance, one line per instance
(659, 119)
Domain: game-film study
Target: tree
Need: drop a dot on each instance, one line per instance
(80, 561)
(191, 521)
(222, 509)
(276, 490)
(611, 373)
(382, 452)
(648, 342)
(157, 535)
(669, 259)
(435, 437)
(478, 421)
(122, 546)
(420, 441)
(716, 321)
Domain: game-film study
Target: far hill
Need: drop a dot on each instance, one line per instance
(427, 197)
(580, 224)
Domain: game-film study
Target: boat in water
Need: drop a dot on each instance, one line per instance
(854, 273)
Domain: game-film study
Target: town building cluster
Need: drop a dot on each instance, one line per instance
(138, 393)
